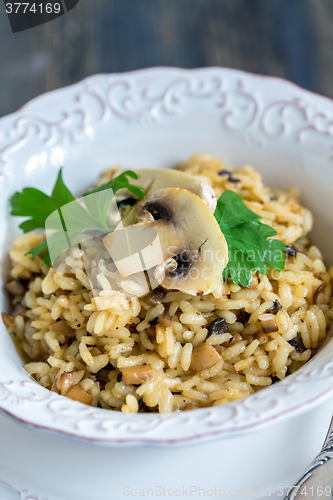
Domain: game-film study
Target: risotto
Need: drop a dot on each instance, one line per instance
(171, 349)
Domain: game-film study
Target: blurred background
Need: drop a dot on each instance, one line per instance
(292, 39)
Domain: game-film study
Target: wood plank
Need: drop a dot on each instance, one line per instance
(287, 38)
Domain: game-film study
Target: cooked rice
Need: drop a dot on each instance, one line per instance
(63, 327)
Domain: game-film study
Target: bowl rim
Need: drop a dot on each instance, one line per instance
(71, 418)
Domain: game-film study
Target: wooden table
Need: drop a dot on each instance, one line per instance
(288, 38)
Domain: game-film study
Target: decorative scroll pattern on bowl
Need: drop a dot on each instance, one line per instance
(8, 492)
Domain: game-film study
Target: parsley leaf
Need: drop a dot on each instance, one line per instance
(38, 205)
(249, 246)
(120, 182)
(66, 215)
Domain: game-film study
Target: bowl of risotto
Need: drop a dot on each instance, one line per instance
(166, 278)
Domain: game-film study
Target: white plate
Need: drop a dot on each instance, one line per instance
(156, 118)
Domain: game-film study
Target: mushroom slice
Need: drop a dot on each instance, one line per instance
(78, 394)
(137, 374)
(69, 379)
(204, 356)
(193, 251)
(155, 179)
(152, 180)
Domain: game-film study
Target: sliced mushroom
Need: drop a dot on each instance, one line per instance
(155, 179)
(189, 250)
(165, 319)
(95, 352)
(137, 374)
(78, 394)
(297, 343)
(15, 287)
(69, 379)
(218, 327)
(155, 297)
(269, 326)
(204, 356)
(317, 292)
(8, 320)
(152, 180)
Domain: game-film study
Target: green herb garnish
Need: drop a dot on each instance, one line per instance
(249, 246)
(70, 222)
(247, 238)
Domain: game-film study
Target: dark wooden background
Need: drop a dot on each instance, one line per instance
(288, 38)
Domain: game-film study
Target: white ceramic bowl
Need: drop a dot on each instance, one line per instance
(156, 118)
